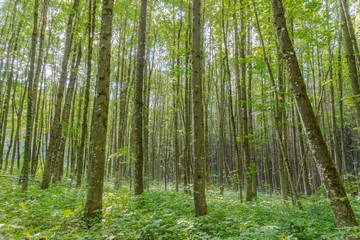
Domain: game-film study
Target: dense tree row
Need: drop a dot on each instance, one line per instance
(203, 93)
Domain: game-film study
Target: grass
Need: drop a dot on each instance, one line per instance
(56, 213)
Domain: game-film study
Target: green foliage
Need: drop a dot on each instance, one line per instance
(56, 213)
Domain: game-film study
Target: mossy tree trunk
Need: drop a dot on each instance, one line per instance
(98, 138)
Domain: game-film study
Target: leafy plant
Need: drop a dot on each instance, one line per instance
(157, 214)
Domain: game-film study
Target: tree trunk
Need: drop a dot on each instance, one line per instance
(31, 98)
(55, 132)
(59, 165)
(343, 168)
(238, 88)
(40, 68)
(138, 95)
(93, 206)
(351, 59)
(84, 132)
(199, 151)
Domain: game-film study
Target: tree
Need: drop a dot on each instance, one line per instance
(40, 67)
(138, 95)
(30, 101)
(84, 132)
(335, 190)
(352, 52)
(197, 73)
(55, 132)
(93, 204)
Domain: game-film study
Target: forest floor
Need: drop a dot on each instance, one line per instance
(56, 213)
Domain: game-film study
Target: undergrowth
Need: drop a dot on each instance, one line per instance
(56, 213)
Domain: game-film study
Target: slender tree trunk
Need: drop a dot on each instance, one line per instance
(238, 88)
(119, 111)
(84, 132)
(138, 115)
(187, 107)
(351, 59)
(12, 50)
(346, 18)
(55, 132)
(343, 168)
(17, 131)
(197, 61)
(250, 120)
(13, 112)
(59, 165)
(176, 107)
(30, 101)
(334, 131)
(187, 124)
(304, 157)
(243, 105)
(39, 70)
(93, 206)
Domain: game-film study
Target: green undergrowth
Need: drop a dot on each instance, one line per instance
(56, 213)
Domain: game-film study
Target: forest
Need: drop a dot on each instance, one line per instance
(179, 119)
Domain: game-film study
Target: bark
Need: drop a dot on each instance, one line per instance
(335, 190)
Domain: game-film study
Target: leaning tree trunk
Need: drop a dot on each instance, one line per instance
(335, 190)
